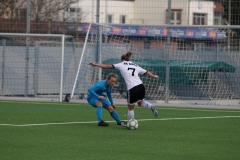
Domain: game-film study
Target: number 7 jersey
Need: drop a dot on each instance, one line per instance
(130, 71)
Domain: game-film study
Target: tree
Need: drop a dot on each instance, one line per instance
(231, 13)
(8, 12)
(5, 7)
(42, 12)
(49, 11)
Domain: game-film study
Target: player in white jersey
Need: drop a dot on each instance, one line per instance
(135, 87)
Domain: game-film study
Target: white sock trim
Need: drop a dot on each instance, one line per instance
(146, 104)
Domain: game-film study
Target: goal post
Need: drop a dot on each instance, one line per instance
(22, 58)
(80, 61)
(203, 61)
(97, 46)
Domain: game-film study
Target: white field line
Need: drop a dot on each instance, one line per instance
(46, 124)
(121, 106)
(199, 109)
(163, 119)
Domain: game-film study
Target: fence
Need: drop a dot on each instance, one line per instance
(204, 73)
(206, 30)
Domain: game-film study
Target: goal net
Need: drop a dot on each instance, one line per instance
(197, 65)
(37, 65)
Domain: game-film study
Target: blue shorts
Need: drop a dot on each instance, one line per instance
(105, 102)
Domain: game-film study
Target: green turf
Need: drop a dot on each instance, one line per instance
(177, 133)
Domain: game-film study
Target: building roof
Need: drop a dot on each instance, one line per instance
(218, 7)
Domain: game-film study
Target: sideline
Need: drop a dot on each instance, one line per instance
(221, 104)
(124, 106)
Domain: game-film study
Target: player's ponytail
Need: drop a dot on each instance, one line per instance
(129, 54)
(126, 56)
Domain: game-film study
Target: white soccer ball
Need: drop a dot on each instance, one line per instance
(132, 124)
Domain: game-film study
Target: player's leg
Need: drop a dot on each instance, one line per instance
(131, 111)
(131, 99)
(144, 103)
(111, 110)
(98, 105)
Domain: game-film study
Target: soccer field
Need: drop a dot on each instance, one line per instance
(40, 130)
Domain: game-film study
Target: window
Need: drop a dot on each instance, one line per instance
(72, 14)
(199, 19)
(73, 10)
(175, 16)
(109, 18)
(217, 18)
(198, 46)
(146, 44)
(122, 19)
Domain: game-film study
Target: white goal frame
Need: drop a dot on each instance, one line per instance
(62, 36)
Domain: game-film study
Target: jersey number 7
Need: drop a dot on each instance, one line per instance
(132, 71)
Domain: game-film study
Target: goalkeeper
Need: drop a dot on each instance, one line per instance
(97, 97)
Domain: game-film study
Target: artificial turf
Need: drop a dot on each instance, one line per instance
(38, 130)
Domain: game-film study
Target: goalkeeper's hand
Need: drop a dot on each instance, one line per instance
(101, 97)
(114, 106)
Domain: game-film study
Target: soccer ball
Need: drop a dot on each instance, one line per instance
(132, 124)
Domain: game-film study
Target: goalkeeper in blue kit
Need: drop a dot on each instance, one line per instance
(100, 96)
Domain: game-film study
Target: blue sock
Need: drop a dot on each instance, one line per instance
(115, 116)
(99, 113)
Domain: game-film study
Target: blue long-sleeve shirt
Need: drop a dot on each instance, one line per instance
(101, 88)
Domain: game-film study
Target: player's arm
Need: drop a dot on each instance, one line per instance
(106, 66)
(92, 92)
(109, 94)
(151, 75)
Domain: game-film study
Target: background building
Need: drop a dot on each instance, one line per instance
(44, 14)
(151, 12)
(136, 25)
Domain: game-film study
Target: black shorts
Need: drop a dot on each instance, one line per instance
(136, 94)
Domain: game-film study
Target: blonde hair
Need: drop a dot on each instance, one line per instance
(126, 56)
(110, 75)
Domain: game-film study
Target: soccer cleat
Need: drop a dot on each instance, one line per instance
(102, 123)
(154, 110)
(124, 124)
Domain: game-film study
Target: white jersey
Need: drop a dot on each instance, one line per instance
(130, 71)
